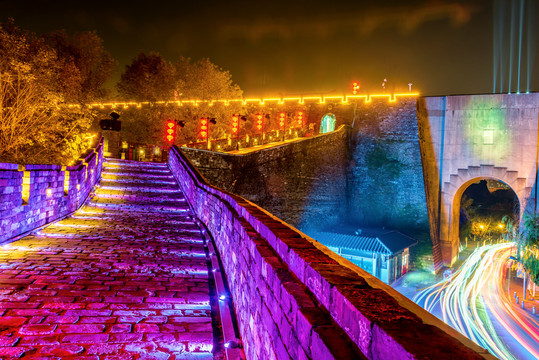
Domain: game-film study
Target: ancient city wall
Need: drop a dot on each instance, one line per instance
(385, 183)
(303, 182)
(34, 195)
(370, 175)
(295, 299)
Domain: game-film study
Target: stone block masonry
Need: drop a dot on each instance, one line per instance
(124, 277)
(34, 195)
(303, 182)
(368, 172)
(295, 299)
(385, 182)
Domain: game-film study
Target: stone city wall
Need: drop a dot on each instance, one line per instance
(303, 182)
(385, 181)
(295, 299)
(370, 175)
(34, 195)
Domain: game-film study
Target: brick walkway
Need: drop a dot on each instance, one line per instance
(124, 278)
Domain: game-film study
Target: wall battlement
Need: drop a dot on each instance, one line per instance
(34, 195)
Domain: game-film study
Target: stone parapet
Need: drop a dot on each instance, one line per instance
(295, 299)
(34, 195)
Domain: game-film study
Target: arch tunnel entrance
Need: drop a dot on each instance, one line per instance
(449, 219)
(484, 210)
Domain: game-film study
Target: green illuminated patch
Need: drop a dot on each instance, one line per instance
(485, 130)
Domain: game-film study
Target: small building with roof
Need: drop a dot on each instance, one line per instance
(383, 253)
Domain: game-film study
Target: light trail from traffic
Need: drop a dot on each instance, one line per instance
(474, 302)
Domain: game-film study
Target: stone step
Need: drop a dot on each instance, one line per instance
(126, 276)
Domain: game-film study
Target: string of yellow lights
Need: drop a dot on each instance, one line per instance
(300, 100)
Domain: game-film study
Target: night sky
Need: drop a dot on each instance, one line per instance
(301, 47)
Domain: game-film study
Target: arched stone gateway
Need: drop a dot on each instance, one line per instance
(452, 194)
(467, 138)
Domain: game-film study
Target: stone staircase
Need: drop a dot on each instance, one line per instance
(126, 276)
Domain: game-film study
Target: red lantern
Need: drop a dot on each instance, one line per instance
(259, 122)
(170, 131)
(299, 117)
(355, 87)
(235, 124)
(203, 127)
(282, 118)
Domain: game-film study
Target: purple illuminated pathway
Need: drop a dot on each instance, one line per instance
(125, 277)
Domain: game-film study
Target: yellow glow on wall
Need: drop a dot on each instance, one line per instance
(340, 99)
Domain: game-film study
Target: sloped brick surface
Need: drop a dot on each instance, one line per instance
(123, 278)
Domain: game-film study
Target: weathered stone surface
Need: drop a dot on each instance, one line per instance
(468, 138)
(302, 182)
(385, 182)
(290, 293)
(53, 191)
(94, 284)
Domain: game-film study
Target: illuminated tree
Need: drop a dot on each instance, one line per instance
(204, 80)
(148, 78)
(85, 55)
(152, 78)
(528, 245)
(33, 86)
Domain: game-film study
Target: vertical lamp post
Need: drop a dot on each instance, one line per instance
(282, 123)
(235, 126)
(205, 129)
(301, 119)
(260, 124)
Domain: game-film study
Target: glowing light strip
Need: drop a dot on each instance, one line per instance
(343, 99)
(139, 197)
(129, 163)
(57, 235)
(149, 177)
(60, 224)
(109, 178)
(138, 189)
(158, 171)
(139, 208)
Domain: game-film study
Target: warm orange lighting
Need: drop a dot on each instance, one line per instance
(282, 119)
(299, 117)
(355, 87)
(343, 99)
(235, 123)
(170, 131)
(259, 122)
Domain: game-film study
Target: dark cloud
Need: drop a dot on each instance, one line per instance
(442, 46)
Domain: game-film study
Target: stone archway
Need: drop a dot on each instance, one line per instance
(450, 205)
(467, 137)
(328, 122)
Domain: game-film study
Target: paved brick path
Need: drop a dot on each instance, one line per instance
(124, 278)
